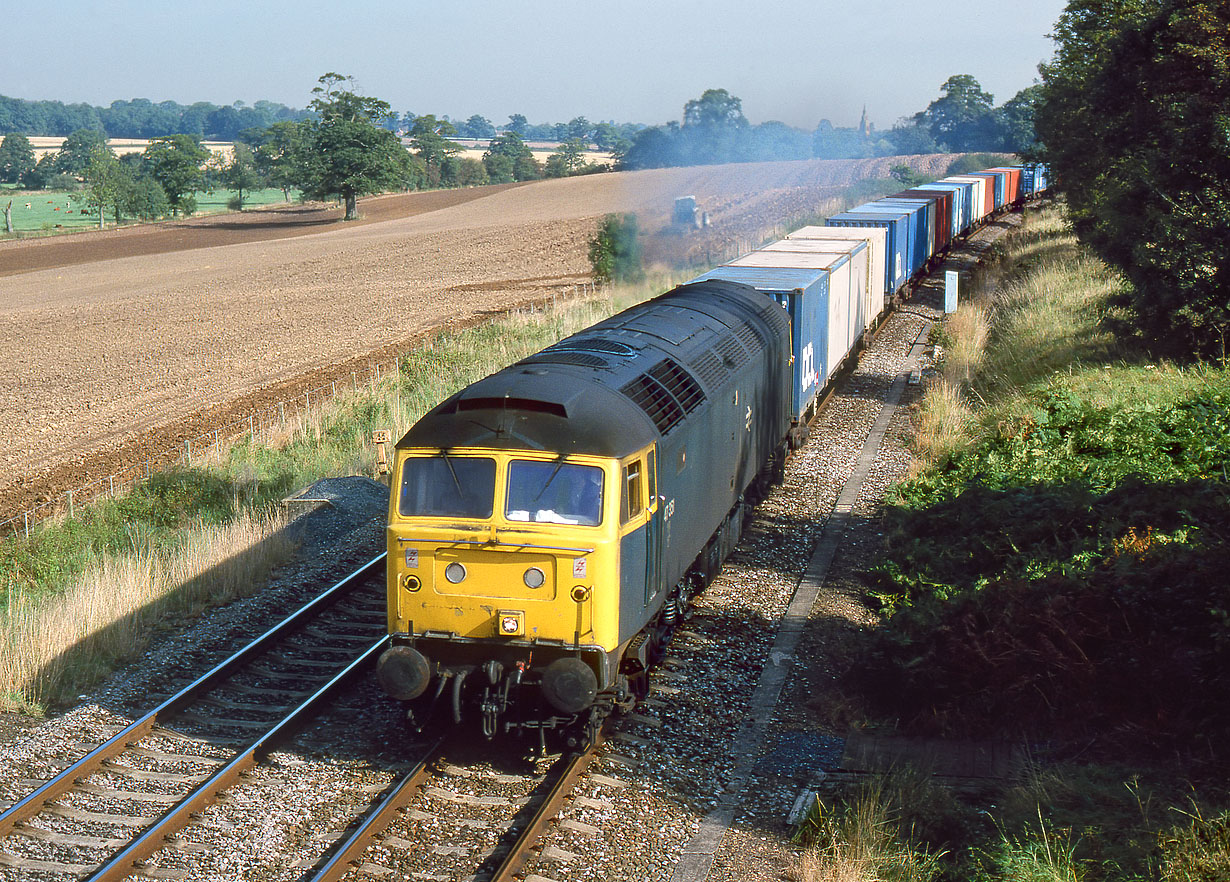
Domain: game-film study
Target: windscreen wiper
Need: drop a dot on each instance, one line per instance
(448, 462)
(559, 464)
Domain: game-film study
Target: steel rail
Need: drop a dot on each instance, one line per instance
(124, 862)
(33, 803)
(377, 821)
(514, 862)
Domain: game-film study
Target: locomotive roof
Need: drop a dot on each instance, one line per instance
(616, 386)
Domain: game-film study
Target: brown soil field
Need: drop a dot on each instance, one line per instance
(119, 345)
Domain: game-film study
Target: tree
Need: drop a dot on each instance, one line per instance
(477, 127)
(175, 162)
(344, 152)
(714, 109)
(106, 183)
(580, 128)
(146, 199)
(241, 173)
(1015, 121)
(714, 128)
(429, 142)
(1134, 121)
(615, 250)
(509, 159)
(469, 173)
(77, 151)
(961, 117)
(908, 138)
(517, 123)
(40, 176)
(607, 137)
(277, 156)
(568, 159)
(16, 158)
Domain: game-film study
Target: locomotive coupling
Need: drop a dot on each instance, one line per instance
(403, 672)
(569, 685)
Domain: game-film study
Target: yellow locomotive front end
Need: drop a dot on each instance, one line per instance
(503, 576)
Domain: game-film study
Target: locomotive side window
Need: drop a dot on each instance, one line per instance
(651, 474)
(447, 486)
(554, 493)
(633, 501)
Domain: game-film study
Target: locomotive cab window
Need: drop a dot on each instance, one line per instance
(447, 487)
(633, 501)
(554, 493)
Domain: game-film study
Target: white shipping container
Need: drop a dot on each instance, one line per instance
(981, 206)
(880, 286)
(865, 307)
(847, 291)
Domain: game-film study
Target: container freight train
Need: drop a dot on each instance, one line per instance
(549, 524)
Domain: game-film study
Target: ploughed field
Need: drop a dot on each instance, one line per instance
(119, 345)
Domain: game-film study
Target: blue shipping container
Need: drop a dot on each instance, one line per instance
(804, 294)
(926, 229)
(917, 237)
(897, 256)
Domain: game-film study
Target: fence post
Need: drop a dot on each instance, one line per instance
(111, 479)
(282, 411)
(25, 515)
(69, 494)
(187, 456)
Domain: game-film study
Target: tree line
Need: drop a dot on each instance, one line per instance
(344, 148)
(1134, 121)
(141, 118)
(962, 119)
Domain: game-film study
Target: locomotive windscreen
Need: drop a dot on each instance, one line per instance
(555, 493)
(447, 486)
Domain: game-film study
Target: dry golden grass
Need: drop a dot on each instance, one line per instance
(862, 840)
(54, 649)
(1034, 309)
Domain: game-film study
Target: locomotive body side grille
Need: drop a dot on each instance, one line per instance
(667, 392)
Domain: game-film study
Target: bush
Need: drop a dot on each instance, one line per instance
(1066, 575)
(615, 250)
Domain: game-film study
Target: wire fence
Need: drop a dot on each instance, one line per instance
(262, 423)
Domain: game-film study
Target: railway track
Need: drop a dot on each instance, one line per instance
(447, 821)
(104, 815)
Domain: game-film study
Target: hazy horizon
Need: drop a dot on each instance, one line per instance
(632, 61)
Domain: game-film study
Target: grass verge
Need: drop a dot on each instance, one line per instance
(1054, 573)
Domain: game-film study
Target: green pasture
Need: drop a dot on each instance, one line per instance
(55, 211)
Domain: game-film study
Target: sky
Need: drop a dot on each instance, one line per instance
(623, 60)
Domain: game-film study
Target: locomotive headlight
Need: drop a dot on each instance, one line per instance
(455, 573)
(534, 578)
(411, 582)
(580, 593)
(510, 622)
